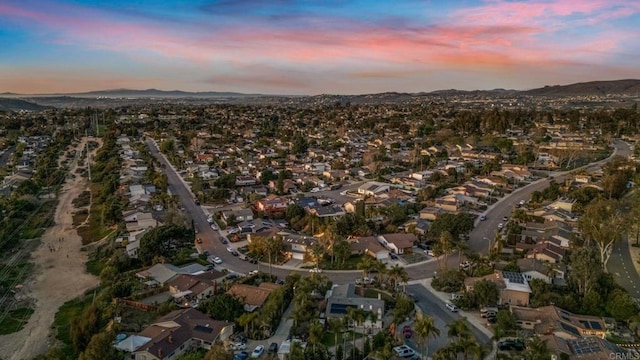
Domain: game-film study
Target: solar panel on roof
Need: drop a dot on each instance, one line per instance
(596, 325)
(204, 329)
(585, 324)
(570, 329)
(565, 318)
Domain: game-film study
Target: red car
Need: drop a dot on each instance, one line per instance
(406, 330)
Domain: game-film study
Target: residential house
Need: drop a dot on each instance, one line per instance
(245, 180)
(342, 297)
(398, 243)
(298, 245)
(238, 215)
(551, 319)
(331, 211)
(430, 213)
(163, 273)
(272, 204)
(373, 188)
(514, 288)
(546, 252)
(368, 245)
(253, 297)
(197, 286)
(174, 334)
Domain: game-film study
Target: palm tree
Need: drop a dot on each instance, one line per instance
(458, 329)
(444, 246)
(424, 328)
(366, 264)
(336, 325)
(398, 274)
(316, 330)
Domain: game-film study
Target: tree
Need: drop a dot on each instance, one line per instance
(621, 305)
(444, 247)
(537, 349)
(223, 307)
(337, 326)
(398, 274)
(486, 292)
(366, 264)
(101, 347)
(316, 331)
(424, 328)
(403, 308)
(585, 270)
(603, 224)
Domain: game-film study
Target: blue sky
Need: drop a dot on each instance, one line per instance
(312, 47)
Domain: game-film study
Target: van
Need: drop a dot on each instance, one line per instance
(451, 307)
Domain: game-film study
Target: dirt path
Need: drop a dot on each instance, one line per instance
(60, 275)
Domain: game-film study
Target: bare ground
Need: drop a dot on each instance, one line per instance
(59, 276)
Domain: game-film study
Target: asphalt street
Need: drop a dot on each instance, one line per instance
(432, 305)
(481, 236)
(621, 266)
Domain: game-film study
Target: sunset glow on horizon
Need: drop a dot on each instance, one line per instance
(313, 47)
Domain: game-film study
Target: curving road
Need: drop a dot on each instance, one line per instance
(478, 240)
(485, 231)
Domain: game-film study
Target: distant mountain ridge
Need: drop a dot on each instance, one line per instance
(154, 93)
(11, 101)
(601, 88)
(11, 104)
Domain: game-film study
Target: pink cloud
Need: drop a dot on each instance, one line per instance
(498, 34)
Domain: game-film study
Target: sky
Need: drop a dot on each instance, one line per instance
(308, 47)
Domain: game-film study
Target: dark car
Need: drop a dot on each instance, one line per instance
(492, 319)
(224, 240)
(242, 355)
(407, 332)
(393, 256)
(273, 348)
(507, 345)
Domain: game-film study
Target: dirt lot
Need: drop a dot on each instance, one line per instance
(60, 276)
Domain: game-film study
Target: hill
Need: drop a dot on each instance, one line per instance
(599, 88)
(7, 104)
(152, 93)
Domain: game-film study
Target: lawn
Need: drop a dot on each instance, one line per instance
(350, 264)
(95, 266)
(373, 293)
(62, 321)
(15, 320)
(329, 338)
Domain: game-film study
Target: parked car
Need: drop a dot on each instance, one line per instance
(393, 256)
(230, 249)
(257, 352)
(273, 348)
(242, 355)
(507, 345)
(451, 307)
(224, 240)
(407, 332)
(217, 260)
(404, 351)
(483, 218)
(500, 226)
(429, 252)
(253, 272)
(315, 270)
(506, 218)
(199, 240)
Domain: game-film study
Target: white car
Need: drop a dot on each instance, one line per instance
(257, 352)
(253, 272)
(217, 260)
(315, 270)
(231, 250)
(500, 226)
